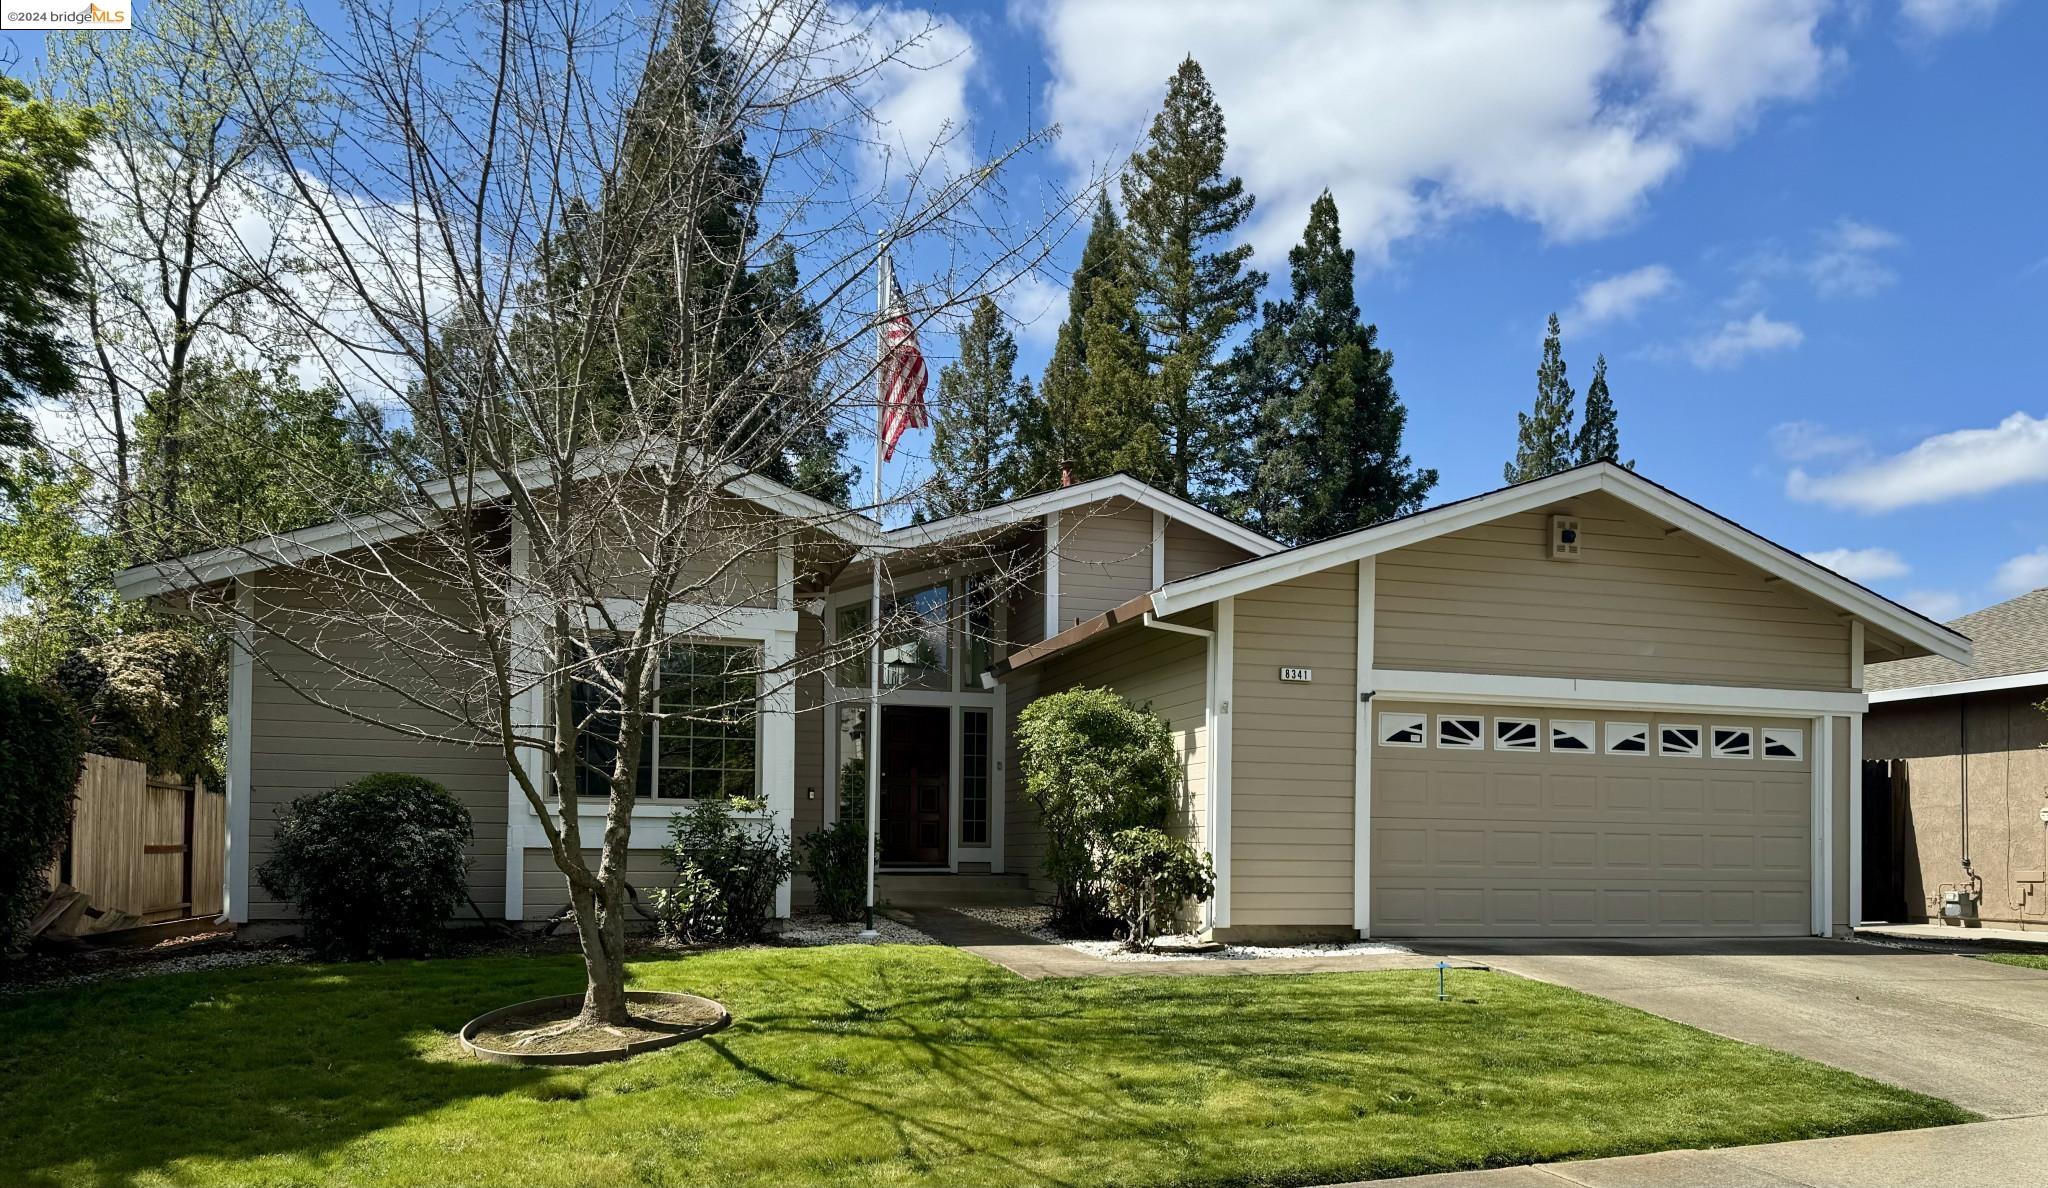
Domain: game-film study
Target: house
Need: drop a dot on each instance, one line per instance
(1962, 744)
(1580, 706)
(946, 801)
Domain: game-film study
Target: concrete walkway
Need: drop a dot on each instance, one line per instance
(1029, 957)
(1973, 1032)
(2004, 1154)
(2011, 940)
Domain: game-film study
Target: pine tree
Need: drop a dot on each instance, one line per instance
(795, 437)
(1062, 433)
(974, 425)
(1192, 288)
(1544, 445)
(1327, 455)
(1599, 437)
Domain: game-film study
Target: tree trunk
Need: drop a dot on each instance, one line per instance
(604, 959)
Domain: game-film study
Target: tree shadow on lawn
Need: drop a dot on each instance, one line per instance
(104, 1081)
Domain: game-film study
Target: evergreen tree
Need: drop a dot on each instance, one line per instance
(1544, 444)
(974, 427)
(798, 439)
(1599, 437)
(1328, 422)
(1192, 286)
(1081, 427)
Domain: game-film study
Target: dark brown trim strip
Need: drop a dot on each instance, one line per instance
(1136, 608)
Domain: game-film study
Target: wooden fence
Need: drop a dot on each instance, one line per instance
(150, 847)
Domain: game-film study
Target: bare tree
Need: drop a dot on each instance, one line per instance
(539, 245)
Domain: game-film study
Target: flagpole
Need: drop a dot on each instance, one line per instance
(873, 805)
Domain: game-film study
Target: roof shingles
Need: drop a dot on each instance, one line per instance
(2005, 640)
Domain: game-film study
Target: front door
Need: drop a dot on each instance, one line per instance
(916, 769)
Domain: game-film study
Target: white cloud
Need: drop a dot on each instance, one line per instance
(1803, 441)
(1036, 305)
(1847, 264)
(1939, 18)
(1939, 605)
(1725, 59)
(1863, 565)
(1565, 114)
(919, 99)
(1738, 340)
(1619, 296)
(1946, 466)
(2028, 571)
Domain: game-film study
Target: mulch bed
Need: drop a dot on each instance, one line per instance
(536, 1031)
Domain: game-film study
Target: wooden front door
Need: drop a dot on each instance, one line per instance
(916, 769)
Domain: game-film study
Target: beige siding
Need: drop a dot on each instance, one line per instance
(1105, 558)
(1292, 753)
(547, 892)
(1023, 836)
(1190, 551)
(297, 747)
(1640, 604)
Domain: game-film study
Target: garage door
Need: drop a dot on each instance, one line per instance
(1546, 822)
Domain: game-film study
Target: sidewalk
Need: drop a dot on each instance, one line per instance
(1032, 958)
(2010, 1153)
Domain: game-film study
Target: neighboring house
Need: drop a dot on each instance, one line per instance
(947, 799)
(1968, 772)
(1578, 707)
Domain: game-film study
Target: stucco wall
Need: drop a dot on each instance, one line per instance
(1997, 741)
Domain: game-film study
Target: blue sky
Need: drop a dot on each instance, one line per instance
(1808, 236)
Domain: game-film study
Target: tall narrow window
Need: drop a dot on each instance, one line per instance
(975, 776)
(851, 642)
(916, 636)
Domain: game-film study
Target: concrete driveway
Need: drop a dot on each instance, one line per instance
(1973, 1032)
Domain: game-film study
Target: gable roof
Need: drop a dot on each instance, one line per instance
(2009, 650)
(1902, 623)
(863, 532)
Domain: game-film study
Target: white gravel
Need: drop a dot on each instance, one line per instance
(119, 970)
(814, 929)
(1037, 921)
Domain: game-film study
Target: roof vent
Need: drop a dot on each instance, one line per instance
(1564, 538)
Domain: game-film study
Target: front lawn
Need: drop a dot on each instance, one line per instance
(2025, 960)
(891, 1065)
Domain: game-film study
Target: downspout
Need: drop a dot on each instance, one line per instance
(1210, 811)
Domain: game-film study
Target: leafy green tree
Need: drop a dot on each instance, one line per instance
(1328, 423)
(41, 747)
(1599, 437)
(41, 145)
(1544, 442)
(974, 425)
(1192, 286)
(57, 565)
(265, 455)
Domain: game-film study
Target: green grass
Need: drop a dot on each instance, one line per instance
(885, 1065)
(2025, 960)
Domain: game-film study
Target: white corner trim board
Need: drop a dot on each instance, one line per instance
(1361, 760)
(1226, 678)
(241, 705)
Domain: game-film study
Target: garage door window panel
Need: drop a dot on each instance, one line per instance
(1517, 734)
(1734, 742)
(1628, 738)
(1458, 733)
(1571, 737)
(1678, 742)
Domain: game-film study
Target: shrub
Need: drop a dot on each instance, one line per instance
(375, 867)
(41, 746)
(1094, 766)
(1148, 875)
(727, 871)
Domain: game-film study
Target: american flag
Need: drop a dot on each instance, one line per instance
(903, 373)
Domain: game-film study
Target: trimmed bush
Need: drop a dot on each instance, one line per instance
(376, 867)
(1148, 877)
(41, 745)
(1094, 766)
(727, 871)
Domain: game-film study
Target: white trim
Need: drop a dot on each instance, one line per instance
(1115, 486)
(1855, 818)
(1158, 548)
(1361, 755)
(785, 573)
(1614, 480)
(1817, 884)
(2017, 680)
(1824, 761)
(1500, 689)
(775, 762)
(1052, 575)
(1226, 677)
(241, 727)
(529, 710)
